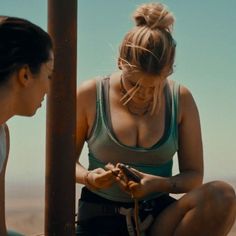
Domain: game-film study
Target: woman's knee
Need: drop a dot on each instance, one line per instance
(220, 195)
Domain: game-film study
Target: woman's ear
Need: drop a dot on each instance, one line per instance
(23, 76)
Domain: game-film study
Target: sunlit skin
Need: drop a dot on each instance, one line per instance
(137, 114)
(27, 91)
(141, 90)
(191, 214)
(34, 87)
(145, 90)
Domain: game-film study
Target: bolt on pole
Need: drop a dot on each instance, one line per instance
(61, 121)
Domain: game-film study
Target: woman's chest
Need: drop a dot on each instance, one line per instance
(136, 131)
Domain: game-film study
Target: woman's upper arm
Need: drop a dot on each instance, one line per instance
(86, 105)
(190, 153)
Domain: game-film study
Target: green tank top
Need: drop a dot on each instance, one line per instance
(104, 147)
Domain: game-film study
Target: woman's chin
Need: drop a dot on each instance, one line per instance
(27, 113)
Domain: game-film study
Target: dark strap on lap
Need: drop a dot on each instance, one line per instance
(88, 210)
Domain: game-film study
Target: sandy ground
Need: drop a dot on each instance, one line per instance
(25, 209)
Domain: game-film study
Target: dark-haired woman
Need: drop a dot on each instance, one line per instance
(26, 65)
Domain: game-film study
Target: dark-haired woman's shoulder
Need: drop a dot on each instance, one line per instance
(7, 139)
(6, 147)
(2, 186)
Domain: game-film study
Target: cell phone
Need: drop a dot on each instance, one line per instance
(129, 173)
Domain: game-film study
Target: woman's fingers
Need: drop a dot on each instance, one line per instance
(123, 185)
(107, 178)
(109, 166)
(103, 178)
(98, 171)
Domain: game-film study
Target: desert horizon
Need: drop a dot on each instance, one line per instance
(25, 208)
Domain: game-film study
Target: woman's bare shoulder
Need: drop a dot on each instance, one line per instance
(187, 103)
(87, 92)
(86, 87)
(186, 97)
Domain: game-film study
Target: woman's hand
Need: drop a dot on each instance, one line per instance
(99, 179)
(147, 185)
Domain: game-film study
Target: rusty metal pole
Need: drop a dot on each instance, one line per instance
(61, 121)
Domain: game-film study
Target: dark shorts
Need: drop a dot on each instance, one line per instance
(113, 224)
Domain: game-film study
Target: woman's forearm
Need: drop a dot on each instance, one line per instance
(181, 183)
(81, 172)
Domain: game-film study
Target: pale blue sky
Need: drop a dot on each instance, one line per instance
(205, 63)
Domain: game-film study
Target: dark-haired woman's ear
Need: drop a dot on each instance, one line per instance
(23, 76)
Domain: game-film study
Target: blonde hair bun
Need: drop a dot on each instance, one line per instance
(154, 16)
